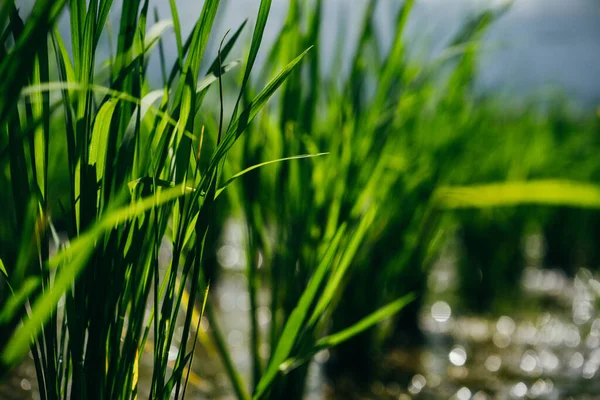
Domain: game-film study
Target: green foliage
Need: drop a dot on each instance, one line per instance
(347, 185)
(135, 180)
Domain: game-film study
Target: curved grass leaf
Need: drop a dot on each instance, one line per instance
(333, 285)
(337, 338)
(297, 319)
(76, 86)
(257, 35)
(263, 164)
(237, 127)
(100, 135)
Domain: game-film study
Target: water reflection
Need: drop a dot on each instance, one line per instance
(458, 356)
(417, 384)
(547, 346)
(493, 363)
(524, 353)
(441, 311)
(519, 390)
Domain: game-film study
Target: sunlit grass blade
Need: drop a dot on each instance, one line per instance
(263, 164)
(239, 125)
(257, 35)
(542, 192)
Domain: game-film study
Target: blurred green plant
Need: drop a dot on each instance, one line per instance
(392, 138)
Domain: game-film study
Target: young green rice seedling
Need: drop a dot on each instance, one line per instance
(89, 312)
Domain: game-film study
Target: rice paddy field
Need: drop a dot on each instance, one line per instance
(292, 205)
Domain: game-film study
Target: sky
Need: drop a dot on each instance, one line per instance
(536, 45)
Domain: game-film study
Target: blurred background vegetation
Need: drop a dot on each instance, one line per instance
(298, 199)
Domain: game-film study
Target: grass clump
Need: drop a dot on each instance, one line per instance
(345, 238)
(137, 175)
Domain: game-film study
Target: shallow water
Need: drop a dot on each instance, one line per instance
(547, 346)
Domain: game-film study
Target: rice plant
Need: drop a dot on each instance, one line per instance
(137, 175)
(114, 192)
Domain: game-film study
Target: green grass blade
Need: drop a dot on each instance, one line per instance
(544, 192)
(234, 376)
(297, 319)
(335, 281)
(15, 302)
(177, 27)
(100, 135)
(365, 323)
(239, 125)
(259, 29)
(263, 164)
(337, 338)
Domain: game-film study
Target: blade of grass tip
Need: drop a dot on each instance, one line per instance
(297, 318)
(239, 125)
(225, 50)
(16, 301)
(263, 164)
(161, 53)
(337, 338)
(372, 319)
(66, 74)
(100, 135)
(259, 29)
(177, 27)
(333, 285)
(216, 66)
